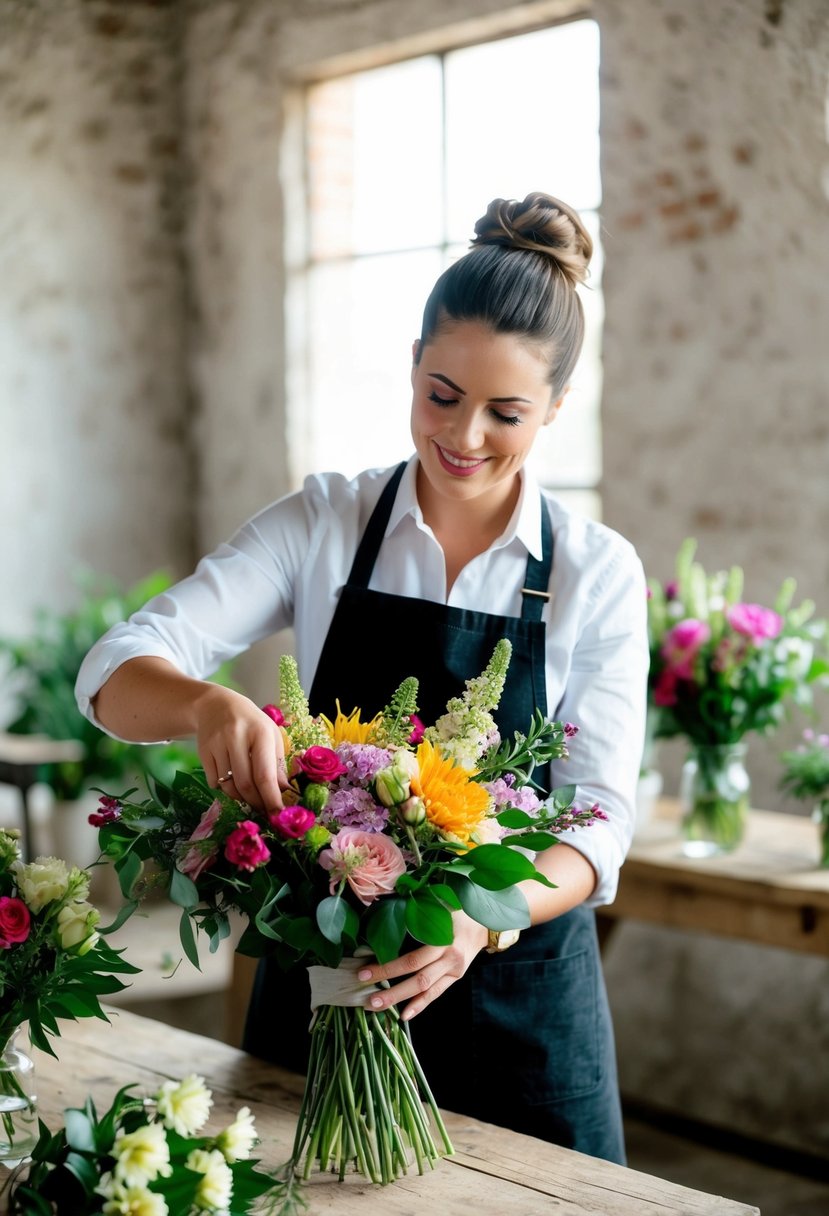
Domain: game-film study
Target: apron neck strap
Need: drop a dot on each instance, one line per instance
(535, 591)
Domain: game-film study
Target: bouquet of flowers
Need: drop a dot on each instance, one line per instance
(146, 1156)
(722, 668)
(387, 829)
(53, 964)
(806, 776)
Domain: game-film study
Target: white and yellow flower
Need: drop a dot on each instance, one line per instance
(238, 1138)
(141, 1156)
(76, 923)
(134, 1201)
(185, 1105)
(41, 882)
(215, 1189)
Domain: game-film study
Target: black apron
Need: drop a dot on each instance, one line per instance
(524, 1040)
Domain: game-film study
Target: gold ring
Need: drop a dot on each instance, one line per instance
(227, 776)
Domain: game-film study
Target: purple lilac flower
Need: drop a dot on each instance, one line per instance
(504, 795)
(362, 761)
(355, 808)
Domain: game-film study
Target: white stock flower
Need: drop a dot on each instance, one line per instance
(76, 922)
(185, 1105)
(238, 1138)
(41, 882)
(134, 1201)
(216, 1187)
(141, 1156)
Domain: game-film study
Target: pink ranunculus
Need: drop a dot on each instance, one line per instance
(682, 643)
(274, 713)
(418, 730)
(245, 847)
(15, 921)
(664, 691)
(293, 821)
(320, 764)
(370, 862)
(754, 621)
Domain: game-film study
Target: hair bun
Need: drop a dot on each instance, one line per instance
(542, 224)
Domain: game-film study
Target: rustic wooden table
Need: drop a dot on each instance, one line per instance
(769, 890)
(493, 1173)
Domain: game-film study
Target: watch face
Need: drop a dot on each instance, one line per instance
(503, 939)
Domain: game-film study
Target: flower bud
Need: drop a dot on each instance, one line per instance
(315, 796)
(406, 764)
(413, 811)
(391, 786)
(317, 837)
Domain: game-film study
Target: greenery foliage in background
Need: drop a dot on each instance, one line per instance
(42, 671)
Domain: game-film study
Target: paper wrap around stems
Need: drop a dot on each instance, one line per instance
(339, 985)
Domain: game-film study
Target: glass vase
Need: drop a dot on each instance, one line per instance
(820, 816)
(18, 1104)
(714, 795)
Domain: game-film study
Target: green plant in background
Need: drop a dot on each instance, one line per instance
(806, 776)
(43, 668)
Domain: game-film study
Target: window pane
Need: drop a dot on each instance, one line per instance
(364, 317)
(522, 115)
(375, 153)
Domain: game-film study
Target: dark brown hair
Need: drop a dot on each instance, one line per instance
(520, 277)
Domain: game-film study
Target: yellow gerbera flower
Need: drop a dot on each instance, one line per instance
(347, 728)
(455, 804)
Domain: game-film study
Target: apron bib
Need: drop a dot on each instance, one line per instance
(524, 1039)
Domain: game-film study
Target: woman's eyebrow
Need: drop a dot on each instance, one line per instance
(457, 389)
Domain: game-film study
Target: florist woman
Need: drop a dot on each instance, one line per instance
(445, 554)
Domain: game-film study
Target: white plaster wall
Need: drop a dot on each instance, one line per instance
(716, 383)
(96, 456)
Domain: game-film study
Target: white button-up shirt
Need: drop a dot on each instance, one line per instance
(286, 566)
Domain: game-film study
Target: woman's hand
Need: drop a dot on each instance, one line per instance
(430, 969)
(241, 749)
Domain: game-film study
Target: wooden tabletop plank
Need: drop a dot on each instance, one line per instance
(495, 1172)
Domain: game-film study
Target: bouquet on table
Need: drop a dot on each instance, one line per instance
(53, 964)
(146, 1157)
(806, 776)
(722, 668)
(387, 829)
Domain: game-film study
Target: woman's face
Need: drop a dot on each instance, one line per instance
(479, 400)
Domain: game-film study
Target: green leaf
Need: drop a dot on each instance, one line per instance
(128, 870)
(331, 917)
(183, 891)
(500, 864)
(494, 909)
(80, 1133)
(124, 913)
(428, 920)
(513, 818)
(563, 797)
(386, 927)
(532, 840)
(445, 894)
(188, 939)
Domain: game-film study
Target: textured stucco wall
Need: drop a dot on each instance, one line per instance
(142, 360)
(716, 383)
(97, 468)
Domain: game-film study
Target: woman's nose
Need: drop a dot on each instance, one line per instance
(468, 431)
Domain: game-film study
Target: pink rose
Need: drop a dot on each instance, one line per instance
(274, 713)
(245, 847)
(320, 764)
(370, 862)
(15, 921)
(418, 730)
(293, 821)
(682, 644)
(664, 691)
(754, 621)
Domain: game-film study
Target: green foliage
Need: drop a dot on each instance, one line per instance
(42, 669)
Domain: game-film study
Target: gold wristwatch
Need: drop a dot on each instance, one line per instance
(501, 939)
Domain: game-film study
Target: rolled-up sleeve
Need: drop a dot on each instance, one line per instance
(605, 696)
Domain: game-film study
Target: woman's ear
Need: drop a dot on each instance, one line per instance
(554, 407)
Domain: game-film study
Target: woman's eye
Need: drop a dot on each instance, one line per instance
(433, 396)
(507, 419)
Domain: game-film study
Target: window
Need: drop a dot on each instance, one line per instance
(401, 161)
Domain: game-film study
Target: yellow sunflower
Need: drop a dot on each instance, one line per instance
(347, 728)
(455, 804)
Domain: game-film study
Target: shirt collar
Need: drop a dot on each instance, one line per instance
(525, 525)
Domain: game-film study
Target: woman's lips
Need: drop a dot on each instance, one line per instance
(458, 466)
